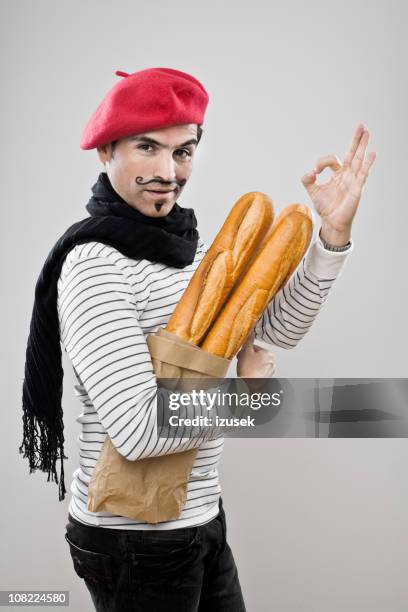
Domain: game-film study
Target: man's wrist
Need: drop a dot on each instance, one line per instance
(333, 240)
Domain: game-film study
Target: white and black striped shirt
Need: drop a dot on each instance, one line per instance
(107, 304)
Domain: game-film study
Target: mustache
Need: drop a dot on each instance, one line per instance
(139, 181)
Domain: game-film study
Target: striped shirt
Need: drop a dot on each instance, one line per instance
(107, 305)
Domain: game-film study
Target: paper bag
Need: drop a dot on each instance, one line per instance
(155, 489)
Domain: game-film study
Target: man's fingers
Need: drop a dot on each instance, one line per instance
(328, 161)
(358, 158)
(354, 144)
(363, 174)
(260, 349)
(266, 356)
(309, 179)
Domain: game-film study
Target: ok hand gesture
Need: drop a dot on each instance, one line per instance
(336, 201)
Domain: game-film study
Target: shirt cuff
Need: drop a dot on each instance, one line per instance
(324, 264)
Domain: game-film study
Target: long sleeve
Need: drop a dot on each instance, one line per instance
(99, 327)
(293, 310)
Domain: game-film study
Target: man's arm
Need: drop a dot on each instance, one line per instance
(103, 338)
(291, 313)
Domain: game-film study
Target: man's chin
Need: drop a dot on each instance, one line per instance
(158, 208)
(149, 209)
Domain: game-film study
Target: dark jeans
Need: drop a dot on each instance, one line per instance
(186, 570)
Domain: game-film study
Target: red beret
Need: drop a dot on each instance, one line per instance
(145, 100)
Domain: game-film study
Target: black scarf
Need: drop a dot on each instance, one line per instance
(171, 240)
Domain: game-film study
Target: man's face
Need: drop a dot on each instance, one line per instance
(155, 160)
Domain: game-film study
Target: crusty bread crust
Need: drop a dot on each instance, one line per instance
(269, 271)
(229, 255)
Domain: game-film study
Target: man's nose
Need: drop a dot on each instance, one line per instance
(165, 167)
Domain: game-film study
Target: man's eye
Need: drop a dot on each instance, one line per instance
(183, 153)
(188, 154)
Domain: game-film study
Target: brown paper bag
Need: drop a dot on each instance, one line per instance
(155, 489)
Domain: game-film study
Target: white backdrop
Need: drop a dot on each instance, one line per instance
(315, 525)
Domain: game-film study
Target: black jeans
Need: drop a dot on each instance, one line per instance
(190, 569)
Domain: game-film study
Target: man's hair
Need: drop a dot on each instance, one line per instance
(199, 134)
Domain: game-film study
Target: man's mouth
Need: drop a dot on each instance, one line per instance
(159, 191)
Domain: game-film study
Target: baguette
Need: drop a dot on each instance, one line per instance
(272, 267)
(229, 255)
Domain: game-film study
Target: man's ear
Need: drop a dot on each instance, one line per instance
(104, 153)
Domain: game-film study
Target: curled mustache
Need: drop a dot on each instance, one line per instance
(139, 181)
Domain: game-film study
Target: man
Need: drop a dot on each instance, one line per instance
(119, 277)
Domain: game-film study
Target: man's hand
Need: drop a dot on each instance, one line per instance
(254, 362)
(336, 201)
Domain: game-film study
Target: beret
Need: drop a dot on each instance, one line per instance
(145, 100)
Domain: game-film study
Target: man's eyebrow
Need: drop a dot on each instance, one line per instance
(156, 142)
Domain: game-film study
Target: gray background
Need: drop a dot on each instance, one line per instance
(315, 525)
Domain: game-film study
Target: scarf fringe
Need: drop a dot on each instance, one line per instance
(37, 435)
